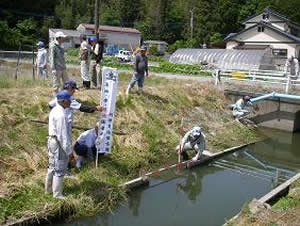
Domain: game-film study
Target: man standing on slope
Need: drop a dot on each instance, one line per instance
(140, 69)
(41, 60)
(59, 145)
(57, 61)
(84, 62)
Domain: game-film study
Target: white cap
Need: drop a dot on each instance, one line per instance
(60, 34)
(196, 131)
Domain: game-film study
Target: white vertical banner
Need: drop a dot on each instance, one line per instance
(108, 101)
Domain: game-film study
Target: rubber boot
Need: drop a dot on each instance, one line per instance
(57, 186)
(48, 182)
(184, 156)
(79, 162)
(128, 90)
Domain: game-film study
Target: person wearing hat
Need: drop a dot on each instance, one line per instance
(95, 58)
(57, 61)
(85, 147)
(41, 60)
(140, 69)
(238, 109)
(59, 145)
(194, 139)
(71, 86)
(84, 62)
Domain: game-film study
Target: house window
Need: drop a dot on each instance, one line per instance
(279, 52)
(260, 29)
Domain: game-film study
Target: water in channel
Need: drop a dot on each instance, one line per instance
(208, 195)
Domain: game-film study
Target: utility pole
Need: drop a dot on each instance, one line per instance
(97, 19)
(192, 21)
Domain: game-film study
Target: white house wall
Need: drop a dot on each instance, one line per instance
(267, 36)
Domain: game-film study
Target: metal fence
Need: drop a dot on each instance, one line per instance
(259, 76)
(16, 63)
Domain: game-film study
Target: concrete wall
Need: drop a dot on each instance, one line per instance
(276, 114)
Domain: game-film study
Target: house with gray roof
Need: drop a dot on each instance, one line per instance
(114, 37)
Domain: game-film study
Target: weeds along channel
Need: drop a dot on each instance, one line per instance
(148, 124)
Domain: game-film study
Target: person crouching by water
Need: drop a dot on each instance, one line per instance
(85, 147)
(59, 145)
(238, 109)
(192, 140)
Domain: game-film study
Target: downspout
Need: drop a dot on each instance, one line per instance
(275, 95)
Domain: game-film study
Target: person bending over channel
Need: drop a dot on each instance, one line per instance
(85, 147)
(192, 140)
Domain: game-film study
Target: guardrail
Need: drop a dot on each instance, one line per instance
(15, 54)
(262, 76)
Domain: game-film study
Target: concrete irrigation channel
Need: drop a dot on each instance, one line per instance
(212, 192)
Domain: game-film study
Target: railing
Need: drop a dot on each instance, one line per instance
(261, 76)
(15, 54)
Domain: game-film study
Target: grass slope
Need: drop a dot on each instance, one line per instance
(150, 122)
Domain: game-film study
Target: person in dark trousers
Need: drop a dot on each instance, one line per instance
(140, 69)
(85, 147)
(84, 62)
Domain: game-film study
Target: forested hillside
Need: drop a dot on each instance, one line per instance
(169, 20)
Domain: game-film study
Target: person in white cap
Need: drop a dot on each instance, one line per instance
(84, 62)
(57, 61)
(85, 147)
(291, 66)
(41, 60)
(194, 139)
(59, 144)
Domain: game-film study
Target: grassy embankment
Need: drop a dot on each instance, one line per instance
(150, 123)
(284, 212)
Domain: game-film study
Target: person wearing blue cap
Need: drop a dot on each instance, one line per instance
(59, 145)
(41, 60)
(192, 140)
(71, 86)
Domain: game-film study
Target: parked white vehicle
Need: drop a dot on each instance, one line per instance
(124, 55)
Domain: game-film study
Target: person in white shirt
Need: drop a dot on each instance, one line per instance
(84, 62)
(41, 60)
(238, 109)
(59, 145)
(85, 147)
(192, 140)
